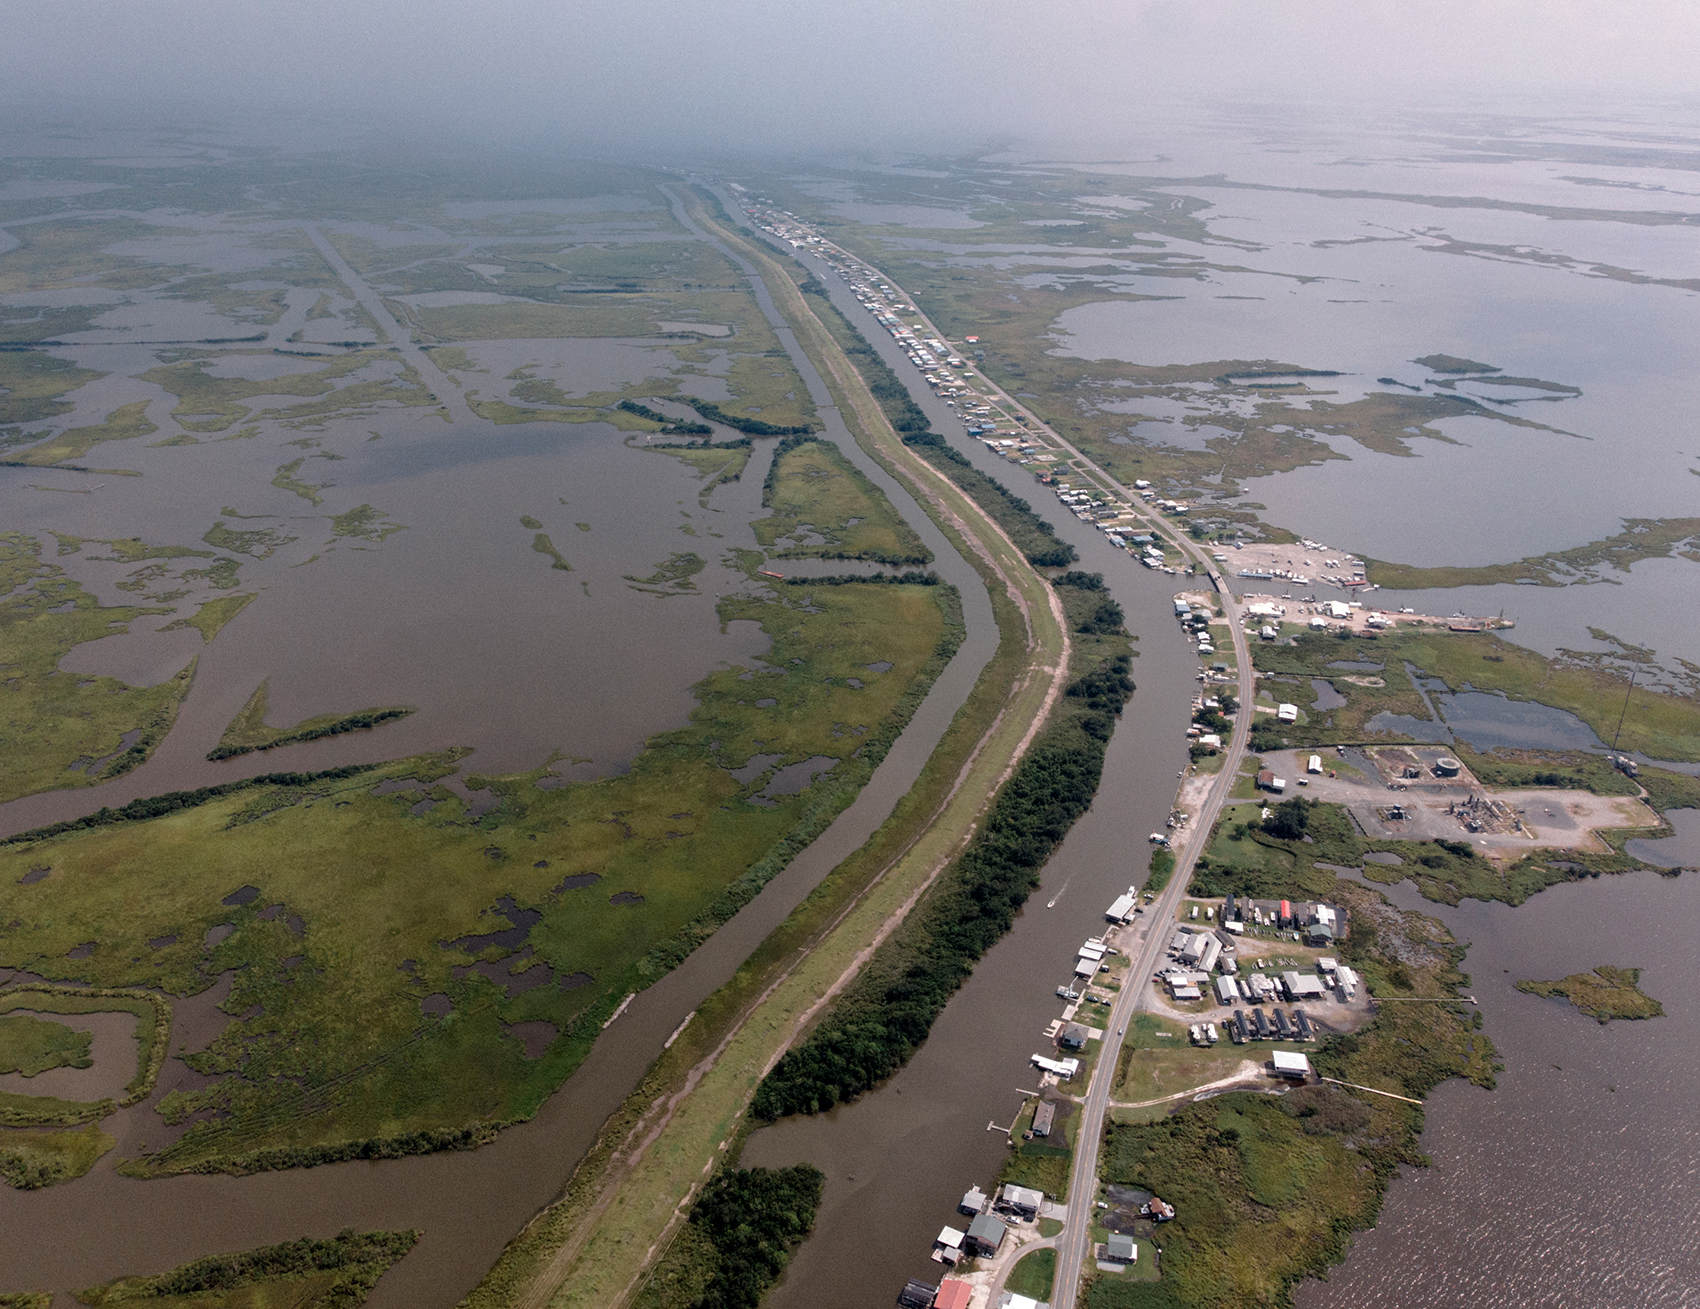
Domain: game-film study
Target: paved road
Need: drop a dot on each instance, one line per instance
(1073, 1244)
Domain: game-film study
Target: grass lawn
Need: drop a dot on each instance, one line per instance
(1033, 1275)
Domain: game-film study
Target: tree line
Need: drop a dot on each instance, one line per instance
(910, 578)
(749, 426)
(669, 426)
(753, 1218)
(885, 1015)
(352, 723)
(157, 806)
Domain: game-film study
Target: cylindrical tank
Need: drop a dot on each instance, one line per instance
(1447, 766)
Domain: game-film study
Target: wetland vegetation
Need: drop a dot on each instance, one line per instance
(249, 732)
(1641, 538)
(1605, 994)
(674, 847)
(823, 506)
(30, 1045)
(61, 729)
(1660, 724)
(30, 1160)
(338, 1273)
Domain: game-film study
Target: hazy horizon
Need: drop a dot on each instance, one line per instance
(754, 76)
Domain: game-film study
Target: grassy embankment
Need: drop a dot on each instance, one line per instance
(583, 1242)
(249, 732)
(881, 1018)
(813, 490)
(1605, 994)
(1269, 1190)
(1660, 725)
(338, 1273)
(674, 839)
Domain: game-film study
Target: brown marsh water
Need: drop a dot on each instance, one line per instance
(454, 619)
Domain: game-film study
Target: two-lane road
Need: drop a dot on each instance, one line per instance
(1074, 1242)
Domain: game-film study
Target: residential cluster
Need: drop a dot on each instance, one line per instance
(1205, 966)
(985, 413)
(990, 1223)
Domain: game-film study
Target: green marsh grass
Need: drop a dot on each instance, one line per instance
(375, 886)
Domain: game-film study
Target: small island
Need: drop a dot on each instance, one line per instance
(1606, 993)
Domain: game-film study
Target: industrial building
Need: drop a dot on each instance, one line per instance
(1303, 986)
(1122, 909)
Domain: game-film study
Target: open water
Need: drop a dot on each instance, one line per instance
(457, 618)
(1572, 1183)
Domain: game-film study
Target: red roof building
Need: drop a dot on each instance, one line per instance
(953, 1294)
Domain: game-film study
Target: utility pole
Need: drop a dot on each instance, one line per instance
(1625, 713)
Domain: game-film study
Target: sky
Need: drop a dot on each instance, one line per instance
(660, 75)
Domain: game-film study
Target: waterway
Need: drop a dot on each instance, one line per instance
(1573, 1182)
(898, 1159)
(474, 484)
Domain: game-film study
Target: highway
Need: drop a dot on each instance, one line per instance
(1073, 1243)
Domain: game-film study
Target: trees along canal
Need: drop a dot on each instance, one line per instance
(887, 1012)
